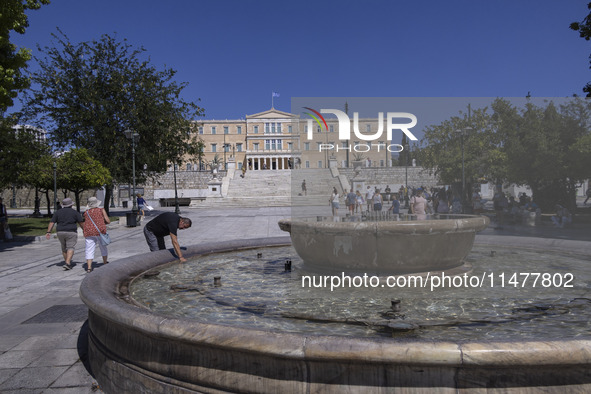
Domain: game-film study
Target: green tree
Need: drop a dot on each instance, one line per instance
(547, 148)
(78, 171)
(18, 149)
(584, 29)
(543, 146)
(441, 150)
(12, 61)
(40, 176)
(90, 93)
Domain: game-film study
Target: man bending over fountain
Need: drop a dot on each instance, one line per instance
(162, 225)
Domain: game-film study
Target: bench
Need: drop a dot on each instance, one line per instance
(169, 202)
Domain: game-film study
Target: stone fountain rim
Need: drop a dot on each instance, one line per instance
(100, 291)
(459, 223)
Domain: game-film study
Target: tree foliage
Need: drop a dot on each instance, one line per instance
(473, 136)
(78, 171)
(545, 147)
(90, 93)
(584, 29)
(18, 149)
(40, 175)
(12, 61)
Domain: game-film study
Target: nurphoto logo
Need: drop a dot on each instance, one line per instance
(345, 129)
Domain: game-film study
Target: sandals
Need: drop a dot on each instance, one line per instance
(67, 267)
(88, 271)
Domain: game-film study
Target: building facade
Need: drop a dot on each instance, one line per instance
(277, 140)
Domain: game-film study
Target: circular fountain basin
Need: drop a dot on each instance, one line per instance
(397, 245)
(132, 349)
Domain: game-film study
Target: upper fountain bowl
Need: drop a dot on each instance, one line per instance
(402, 245)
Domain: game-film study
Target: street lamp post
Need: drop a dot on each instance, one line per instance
(176, 195)
(132, 135)
(463, 198)
(37, 212)
(406, 177)
(54, 186)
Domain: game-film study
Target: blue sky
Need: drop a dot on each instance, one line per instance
(235, 53)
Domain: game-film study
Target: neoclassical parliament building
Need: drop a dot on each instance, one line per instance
(277, 140)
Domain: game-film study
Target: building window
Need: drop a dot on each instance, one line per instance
(318, 146)
(318, 129)
(212, 129)
(239, 129)
(255, 129)
(200, 129)
(307, 164)
(255, 146)
(289, 129)
(344, 144)
(290, 146)
(189, 166)
(306, 146)
(331, 128)
(239, 147)
(272, 128)
(381, 163)
(226, 147)
(306, 129)
(368, 128)
(319, 163)
(214, 147)
(273, 145)
(226, 130)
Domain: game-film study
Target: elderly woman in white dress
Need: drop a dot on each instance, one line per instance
(95, 223)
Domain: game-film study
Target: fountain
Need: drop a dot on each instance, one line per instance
(135, 349)
(391, 245)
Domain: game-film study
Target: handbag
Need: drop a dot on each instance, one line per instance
(105, 239)
(7, 233)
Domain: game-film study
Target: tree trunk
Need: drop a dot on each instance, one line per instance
(77, 198)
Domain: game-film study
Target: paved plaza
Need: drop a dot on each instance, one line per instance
(42, 342)
(42, 324)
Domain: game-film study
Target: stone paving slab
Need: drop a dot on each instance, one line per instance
(33, 378)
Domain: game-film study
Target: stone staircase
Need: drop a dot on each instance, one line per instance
(273, 188)
(281, 188)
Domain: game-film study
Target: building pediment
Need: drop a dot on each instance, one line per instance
(271, 114)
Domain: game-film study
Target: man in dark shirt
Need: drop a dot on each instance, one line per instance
(162, 225)
(67, 221)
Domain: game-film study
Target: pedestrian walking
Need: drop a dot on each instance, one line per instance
(66, 222)
(95, 223)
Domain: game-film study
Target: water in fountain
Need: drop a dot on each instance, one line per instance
(260, 293)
